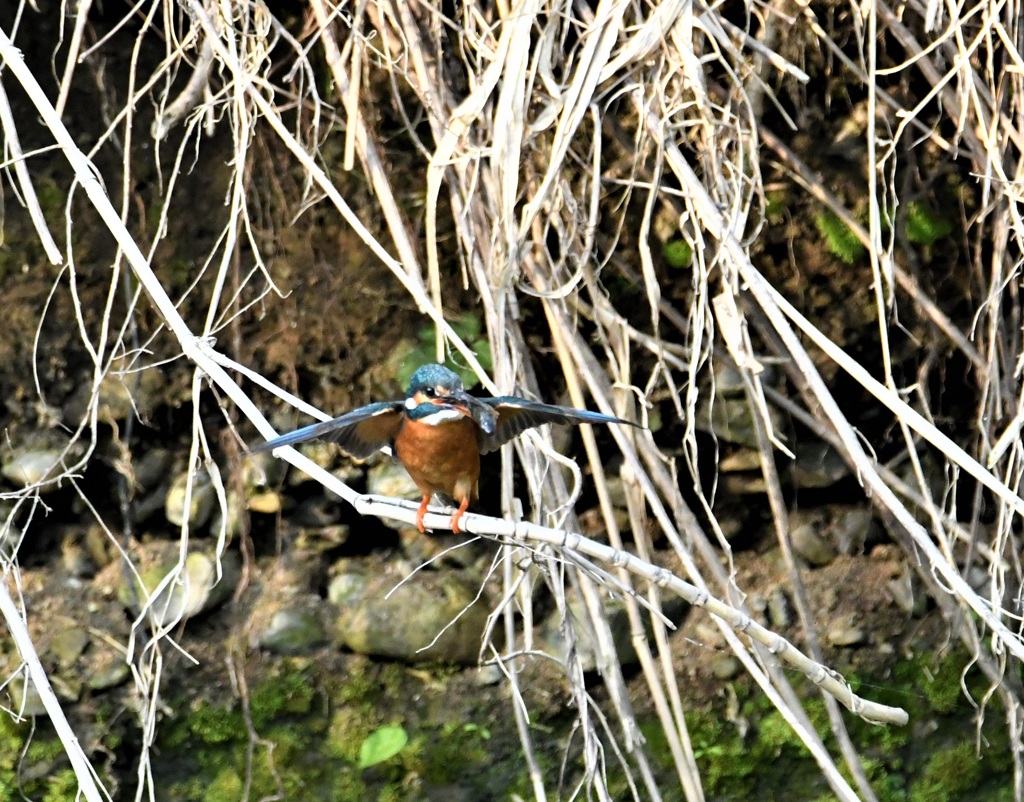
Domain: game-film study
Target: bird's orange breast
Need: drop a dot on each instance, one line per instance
(442, 458)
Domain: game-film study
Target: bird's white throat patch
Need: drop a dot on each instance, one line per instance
(442, 415)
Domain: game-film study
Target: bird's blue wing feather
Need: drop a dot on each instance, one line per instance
(516, 415)
(360, 432)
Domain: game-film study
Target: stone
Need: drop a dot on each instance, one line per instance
(37, 461)
(388, 478)
(200, 504)
(780, 609)
(725, 667)
(818, 465)
(425, 617)
(906, 592)
(122, 393)
(197, 587)
(845, 633)
(25, 697)
(152, 468)
(293, 630)
(266, 503)
(107, 670)
(809, 544)
(68, 644)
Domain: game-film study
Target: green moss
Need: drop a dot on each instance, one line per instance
(212, 724)
(943, 690)
(348, 786)
(839, 238)
(886, 740)
(774, 735)
(899, 766)
(776, 208)
(657, 742)
(888, 785)
(178, 274)
(361, 686)
(767, 755)
(658, 749)
(949, 775)
(227, 786)
(932, 687)
(287, 693)
(447, 753)
(61, 786)
(677, 253)
(623, 293)
(925, 226)
(725, 768)
(289, 759)
(44, 748)
(393, 675)
(52, 201)
(154, 211)
(290, 742)
(34, 765)
(348, 729)
(109, 722)
(391, 793)
(12, 738)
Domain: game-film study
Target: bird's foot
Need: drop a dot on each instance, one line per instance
(454, 523)
(458, 514)
(420, 513)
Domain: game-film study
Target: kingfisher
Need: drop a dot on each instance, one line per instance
(438, 432)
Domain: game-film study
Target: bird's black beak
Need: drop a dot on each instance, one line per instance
(484, 416)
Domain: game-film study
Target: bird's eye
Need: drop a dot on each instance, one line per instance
(429, 392)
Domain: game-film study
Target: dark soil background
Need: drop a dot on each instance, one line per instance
(239, 715)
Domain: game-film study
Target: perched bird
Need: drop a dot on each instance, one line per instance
(438, 433)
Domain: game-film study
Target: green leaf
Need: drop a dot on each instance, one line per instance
(409, 355)
(382, 744)
(467, 326)
(483, 732)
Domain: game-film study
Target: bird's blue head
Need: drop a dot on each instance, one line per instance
(436, 395)
(435, 379)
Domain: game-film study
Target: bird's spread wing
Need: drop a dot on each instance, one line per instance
(360, 432)
(516, 415)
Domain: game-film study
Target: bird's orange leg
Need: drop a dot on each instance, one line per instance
(458, 514)
(420, 513)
